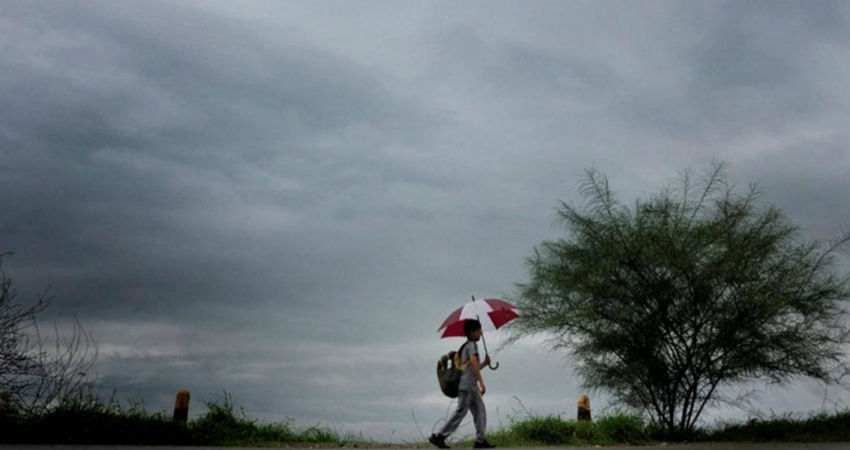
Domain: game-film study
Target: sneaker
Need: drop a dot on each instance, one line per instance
(483, 444)
(439, 441)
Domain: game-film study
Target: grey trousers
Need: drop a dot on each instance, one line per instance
(468, 401)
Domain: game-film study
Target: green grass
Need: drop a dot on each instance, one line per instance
(553, 430)
(89, 421)
(622, 428)
(221, 425)
(821, 427)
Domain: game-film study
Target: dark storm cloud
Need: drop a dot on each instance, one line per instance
(149, 164)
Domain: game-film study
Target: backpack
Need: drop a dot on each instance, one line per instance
(449, 370)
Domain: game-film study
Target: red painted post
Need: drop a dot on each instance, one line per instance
(181, 406)
(584, 408)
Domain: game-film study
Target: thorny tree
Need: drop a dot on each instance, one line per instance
(666, 303)
(35, 371)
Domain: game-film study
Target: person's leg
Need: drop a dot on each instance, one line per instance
(479, 415)
(463, 399)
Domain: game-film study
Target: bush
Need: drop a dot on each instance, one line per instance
(817, 428)
(221, 425)
(86, 420)
(553, 430)
(623, 428)
(548, 430)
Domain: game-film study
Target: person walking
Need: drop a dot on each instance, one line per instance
(469, 394)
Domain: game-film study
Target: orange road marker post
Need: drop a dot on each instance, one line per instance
(584, 408)
(181, 406)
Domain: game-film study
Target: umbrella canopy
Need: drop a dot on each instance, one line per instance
(493, 313)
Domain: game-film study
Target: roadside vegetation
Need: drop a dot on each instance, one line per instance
(553, 430)
(822, 427)
(622, 428)
(87, 420)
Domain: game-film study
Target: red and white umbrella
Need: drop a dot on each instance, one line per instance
(493, 313)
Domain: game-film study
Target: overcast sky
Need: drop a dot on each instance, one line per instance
(283, 200)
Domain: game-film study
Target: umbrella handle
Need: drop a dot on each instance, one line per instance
(484, 341)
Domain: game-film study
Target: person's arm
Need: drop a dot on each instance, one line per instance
(476, 370)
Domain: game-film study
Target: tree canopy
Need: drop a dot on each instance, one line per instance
(701, 286)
